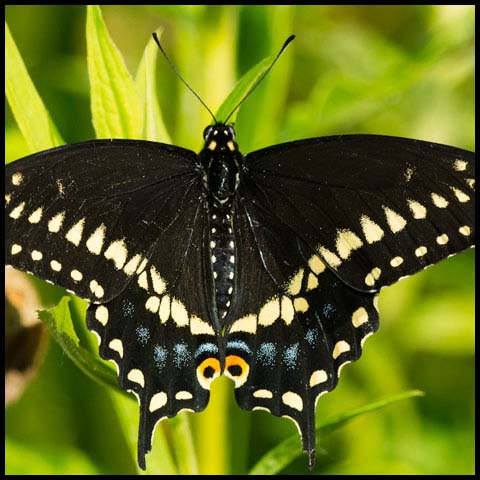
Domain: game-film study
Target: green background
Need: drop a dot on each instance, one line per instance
(395, 70)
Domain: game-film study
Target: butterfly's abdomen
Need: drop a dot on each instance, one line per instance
(222, 255)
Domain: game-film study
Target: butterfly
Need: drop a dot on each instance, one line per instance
(263, 267)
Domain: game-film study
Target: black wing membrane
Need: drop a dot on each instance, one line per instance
(322, 225)
(375, 208)
(293, 323)
(124, 225)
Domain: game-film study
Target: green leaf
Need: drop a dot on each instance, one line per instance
(146, 82)
(59, 321)
(27, 107)
(116, 110)
(284, 453)
(182, 444)
(241, 89)
(24, 459)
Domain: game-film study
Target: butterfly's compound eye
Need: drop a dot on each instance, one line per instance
(231, 131)
(208, 371)
(207, 132)
(237, 369)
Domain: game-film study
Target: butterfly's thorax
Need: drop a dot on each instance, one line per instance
(222, 163)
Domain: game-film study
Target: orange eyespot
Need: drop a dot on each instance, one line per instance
(208, 371)
(237, 369)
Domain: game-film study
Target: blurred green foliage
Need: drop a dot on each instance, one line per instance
(396, 70)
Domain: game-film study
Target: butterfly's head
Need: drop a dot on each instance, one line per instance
(220, 138)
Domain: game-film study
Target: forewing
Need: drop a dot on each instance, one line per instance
(375, 208)
(85, 216)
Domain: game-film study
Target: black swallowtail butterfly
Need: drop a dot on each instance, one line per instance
(263, 267)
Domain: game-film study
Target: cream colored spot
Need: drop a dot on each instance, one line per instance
(101, 314)
(36, 255)
(371, 231)
(231, 146)
(199, 327)
(359, 317)
(142, 266)
(183, 395)
(131, 267)
(142, 281)
(465, 230)
(179, 313)
(117, 251)
(159, 400)
(293, 400)
(17, 211)
(74, 235)
(117, 346)
(442, 239)
(316, 265)
(312, 282)
(417, 209)
(96, 289)
(317, 377)
(55, 266)
(340, 347)
(269, 312)
(369, 280)
(8, 198)
(212, 145)
(462, 197)
(135, 375)
(288, 312)
(164, 311)
(36, 216)
(158, 282)
(76, 275)
(262, 393)
(346, 242)
(460, 165)
(95, 242)
(439, 201)
(295, 284)
(396, 262)
(152, 304)
(329, 257)
(55, 223)
(421, 251)
(17, 179)
(247, 324)
(300, 304)
(395, 221)
(15, 249)
(376, 273)
(470, 183)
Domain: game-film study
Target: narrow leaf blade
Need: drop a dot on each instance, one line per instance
(116, 110)
(27, 107)
(284, 453)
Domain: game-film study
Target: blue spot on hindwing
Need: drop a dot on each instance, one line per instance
(128, 309)
(206, 348)
(290, 355)
(266, 354)
(311, 336)
(159, 357)
(239, 345)
(181, 355)
(143, 335)
(328, 310)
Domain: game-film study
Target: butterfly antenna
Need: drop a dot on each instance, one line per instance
(155, 37)
(264, 74)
